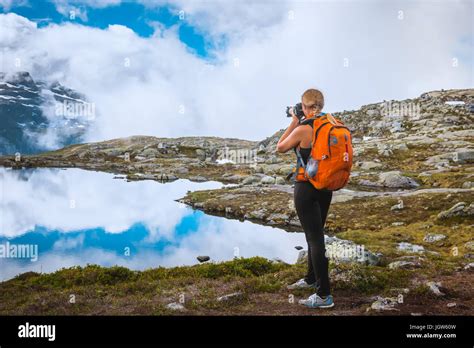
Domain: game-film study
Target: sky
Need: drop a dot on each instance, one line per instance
(229, 68)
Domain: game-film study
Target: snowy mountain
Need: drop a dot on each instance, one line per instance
(36, 116)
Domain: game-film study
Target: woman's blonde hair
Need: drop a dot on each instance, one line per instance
(313, 97)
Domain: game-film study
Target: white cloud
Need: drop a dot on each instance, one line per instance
(268, 61)
(8, 4)
(60, 200)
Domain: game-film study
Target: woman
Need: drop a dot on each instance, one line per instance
(311, 205)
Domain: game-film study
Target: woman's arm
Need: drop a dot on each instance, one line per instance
(291, 136)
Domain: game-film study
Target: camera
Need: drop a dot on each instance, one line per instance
(297, 111)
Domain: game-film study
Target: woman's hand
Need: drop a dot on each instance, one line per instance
(294, 119)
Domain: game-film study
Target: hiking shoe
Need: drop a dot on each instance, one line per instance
(314, 301)
(301, 284)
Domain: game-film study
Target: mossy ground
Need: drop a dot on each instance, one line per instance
(262, 284)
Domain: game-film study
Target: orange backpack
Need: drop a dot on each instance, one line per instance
(329, 164)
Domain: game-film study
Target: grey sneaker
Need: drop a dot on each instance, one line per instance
(301, 284)
(314, 301)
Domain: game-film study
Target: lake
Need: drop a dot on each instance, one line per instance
(55, 218)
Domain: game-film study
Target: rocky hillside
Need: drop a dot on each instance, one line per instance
(23, 122)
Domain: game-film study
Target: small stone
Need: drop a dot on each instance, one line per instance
(434, 287)
(267, 180)
(459, 209)
(203, 258)
(298, 247)
(234, 297)
(197, 178)
(175, 306)
(384, 304)
(451, 305)
(408, 247)
(302, 257)
(468, 185)
(403, 265)
(431, 238)
(279, 180)
(469, 245)
(469, 266)
(251, 179)
(398, 206)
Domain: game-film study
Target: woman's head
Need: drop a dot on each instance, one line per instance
(312, 101)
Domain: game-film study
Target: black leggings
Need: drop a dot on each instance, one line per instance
(312, 207)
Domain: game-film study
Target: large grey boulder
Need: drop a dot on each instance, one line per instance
(396, 180)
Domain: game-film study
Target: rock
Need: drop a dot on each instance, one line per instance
(251, 179)
(285, 169)
(384, 304)
(346, 251)
(267, 180)
(166, 177)
(408, 247)
(403, 265)
(394, 179)
(197, 178)
(302, 257)
(279, 180)
(469, 266)
(469, 245)
(365, 182)
(298, 247)
(277, 260)
(234, 297)
(384, 149)
(203, 258)
(175, 306)
(295, 222)
(431, 238)
(459, 209)
(182, 170)
(466, 156)
(451, 304)
(434, 287)
(468, 185)
(149, 153)
(273, 159)
(235, 177)
(398, 206)
(398, 223)
(259, 169)
(201, 154)
(256, 214)
(400, 147)
(278, 217)
(369, 165)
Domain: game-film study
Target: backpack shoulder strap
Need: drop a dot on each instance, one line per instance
(310, 121)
